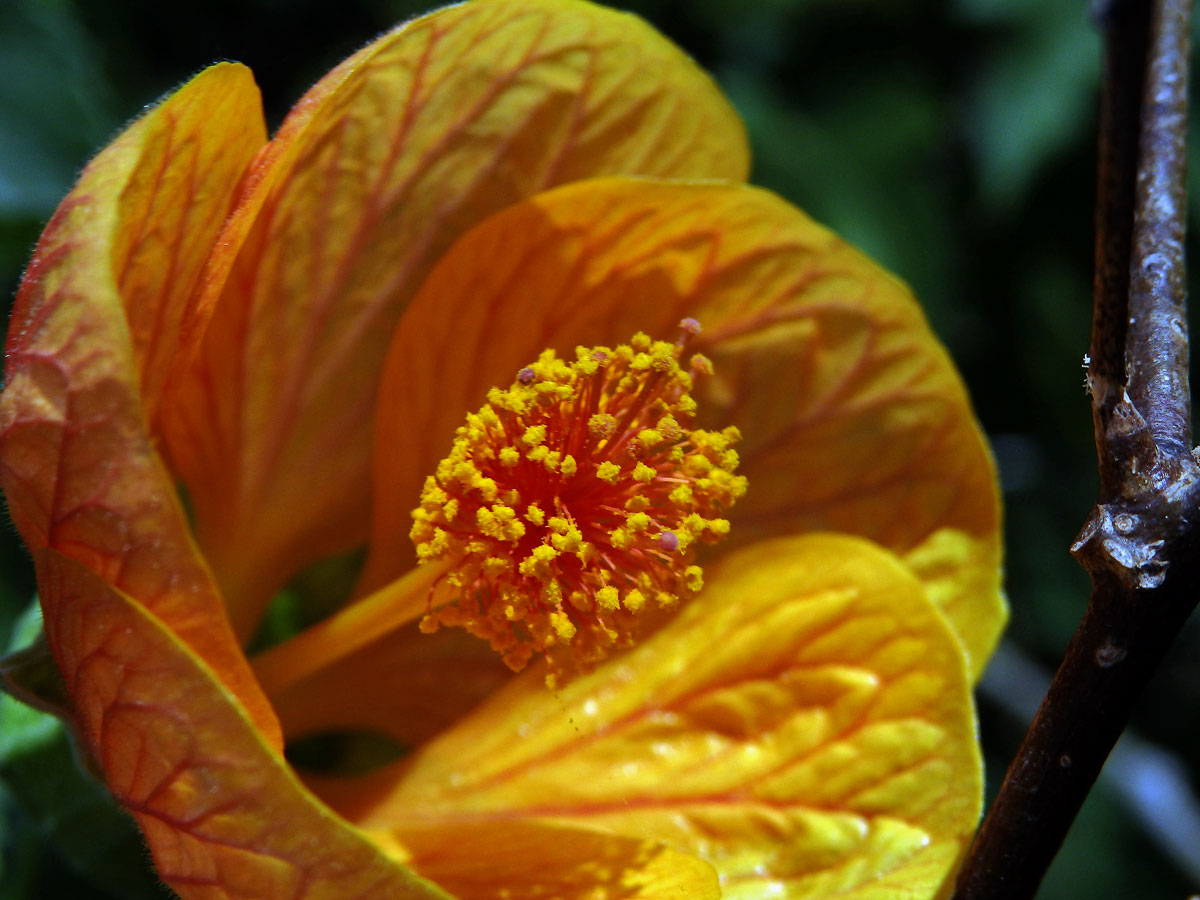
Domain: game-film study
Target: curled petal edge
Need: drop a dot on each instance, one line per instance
(177, 750)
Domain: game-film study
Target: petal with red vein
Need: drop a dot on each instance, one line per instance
(195, 150)
(805, 725)
(852, 415)
(222, 813)
(378, 169)
(78, 465)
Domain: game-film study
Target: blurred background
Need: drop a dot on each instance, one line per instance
(952, 140)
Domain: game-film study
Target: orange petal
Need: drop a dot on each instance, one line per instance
(853, 417)
(196, 148)
(378, 169)
(538, 859)
(805, 725)
(92, 337)
(223, 815)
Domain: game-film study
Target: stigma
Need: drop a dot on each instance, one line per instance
(572, 504)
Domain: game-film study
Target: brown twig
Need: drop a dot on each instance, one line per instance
(1140, 543)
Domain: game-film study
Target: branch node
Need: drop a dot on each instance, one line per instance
(1110, 653)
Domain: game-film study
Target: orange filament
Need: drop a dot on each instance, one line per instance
(575, 498)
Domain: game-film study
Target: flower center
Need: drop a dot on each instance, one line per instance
(574, 500)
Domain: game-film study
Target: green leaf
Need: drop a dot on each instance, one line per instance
(54, 109)
(1031, 97)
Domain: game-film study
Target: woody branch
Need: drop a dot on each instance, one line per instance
(1140, 543)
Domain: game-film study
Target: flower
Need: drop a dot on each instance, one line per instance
(291, 331)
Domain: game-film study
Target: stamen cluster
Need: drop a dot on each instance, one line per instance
(574, 500)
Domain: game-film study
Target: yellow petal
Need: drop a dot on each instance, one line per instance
(532, 860)
(391, 156)
(222, 814)
(852, 415)
(94, 333)
(805, 725)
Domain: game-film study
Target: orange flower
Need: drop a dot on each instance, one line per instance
(292, 330)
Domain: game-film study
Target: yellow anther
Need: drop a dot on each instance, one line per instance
(608, 471)
(643, 474)
(681, 495)
(509, 456)
(434, 546)
(638, 522)
(669, 428)
(534, 435)
(585, 362)
(571, 542)
(534, 514)
(601, 426)
(552, 593)
(465, 473)
(568, 466)
(710, 440)
(608, 597)
(562, 625)
(649, 437)
(634, 600)
(662, 357)
(537, 564)
(499, 522)
(485, 519)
